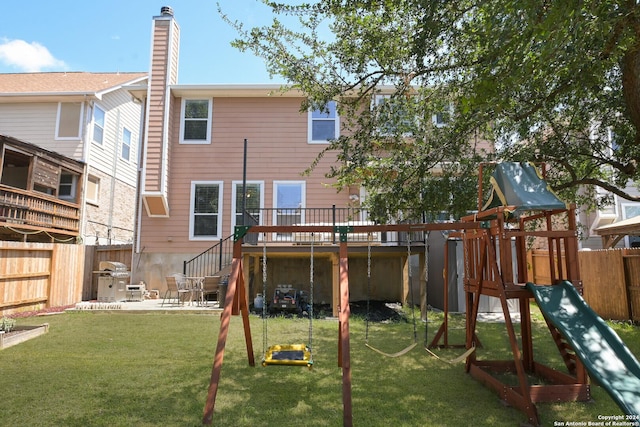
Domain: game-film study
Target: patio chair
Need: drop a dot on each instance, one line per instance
(211, 286)
(175, 286)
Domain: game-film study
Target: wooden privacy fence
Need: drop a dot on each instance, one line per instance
(34, 276)
(611, 280)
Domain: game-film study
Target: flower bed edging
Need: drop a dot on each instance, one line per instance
(25, 333)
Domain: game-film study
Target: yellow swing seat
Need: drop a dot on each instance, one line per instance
(291, 355)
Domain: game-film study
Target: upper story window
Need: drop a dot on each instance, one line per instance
(98, 124)
(206, 208)
(195, 124)
(613, 141)
(324, 123)
(394, 116)
(69, 121)
(443, 117)
(126, 144)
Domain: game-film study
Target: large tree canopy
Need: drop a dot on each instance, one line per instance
(547, 81)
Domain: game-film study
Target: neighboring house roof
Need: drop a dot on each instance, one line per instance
(64, 83)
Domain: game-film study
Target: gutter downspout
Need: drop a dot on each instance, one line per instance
(114, 171)
(86, 150)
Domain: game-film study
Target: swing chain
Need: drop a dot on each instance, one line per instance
(310, 305)
(366, 333)
(264, 297)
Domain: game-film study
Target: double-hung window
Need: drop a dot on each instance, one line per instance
(98, 124)
(443, 117)
(206, 207)
(289, 200)
(324, 124)
(195, 126)
(93, 190)
(67, 186)
(126, 144)
(394, 116)
(253, 202)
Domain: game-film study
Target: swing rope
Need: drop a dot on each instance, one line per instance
(415, 331)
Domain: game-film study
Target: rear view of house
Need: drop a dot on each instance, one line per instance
(193, 160)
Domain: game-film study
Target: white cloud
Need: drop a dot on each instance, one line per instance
(28, 57)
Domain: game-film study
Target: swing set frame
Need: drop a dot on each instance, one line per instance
(236, 299)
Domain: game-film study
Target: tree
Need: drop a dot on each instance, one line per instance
(547, 81)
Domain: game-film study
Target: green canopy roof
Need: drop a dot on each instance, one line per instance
(520, 185)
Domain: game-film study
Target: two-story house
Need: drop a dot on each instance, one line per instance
(194, 166)
(90, 118)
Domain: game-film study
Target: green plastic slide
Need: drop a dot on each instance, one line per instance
(607, 359)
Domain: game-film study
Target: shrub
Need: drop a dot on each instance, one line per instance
(7, 324)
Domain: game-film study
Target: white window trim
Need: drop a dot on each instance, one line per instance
(209, 122)
(234, 191)
(439, 124)
(122, 144)
(74, 186)
(220, 184)
(69, 138)
(377, 100)
(93, 125)
(310, 120)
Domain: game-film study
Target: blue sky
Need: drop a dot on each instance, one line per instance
(80, 35)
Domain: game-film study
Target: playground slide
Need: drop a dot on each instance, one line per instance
(607, 359)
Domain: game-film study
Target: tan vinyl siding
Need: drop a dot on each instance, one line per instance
(36, 123)
(120, 113)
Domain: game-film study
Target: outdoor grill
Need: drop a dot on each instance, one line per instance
(113, 280)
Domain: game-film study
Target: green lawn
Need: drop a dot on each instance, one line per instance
(105, 369)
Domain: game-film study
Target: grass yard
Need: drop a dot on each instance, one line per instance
(106, 369)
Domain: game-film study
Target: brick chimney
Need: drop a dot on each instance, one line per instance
(163, 72)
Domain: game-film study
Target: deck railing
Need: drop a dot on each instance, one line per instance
(34, 210)
(219, 256)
